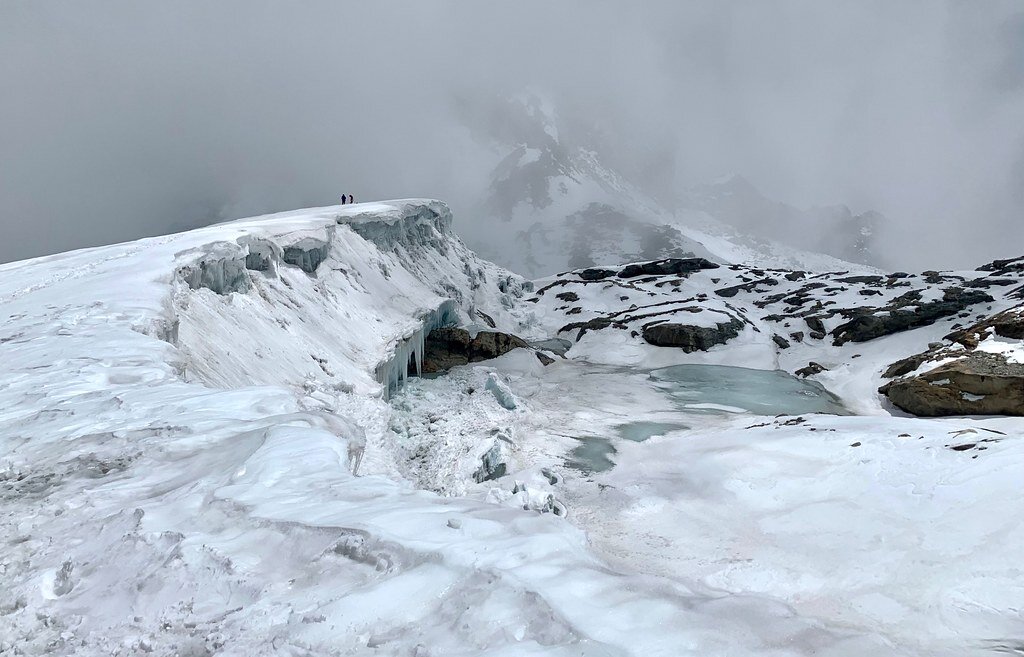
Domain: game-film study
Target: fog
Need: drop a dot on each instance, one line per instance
(125, 119)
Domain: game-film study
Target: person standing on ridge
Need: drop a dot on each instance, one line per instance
(343, 199)
(351, 200)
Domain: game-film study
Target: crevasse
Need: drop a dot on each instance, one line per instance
(392, 373)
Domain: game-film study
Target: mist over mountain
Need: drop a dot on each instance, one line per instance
(123, 119)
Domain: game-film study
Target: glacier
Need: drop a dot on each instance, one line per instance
(211, 444)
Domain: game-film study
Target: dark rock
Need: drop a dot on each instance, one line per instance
(795, 275)
(816, 325)
(487, 318)
(782, 342)
(691, 338)
(567, 296)
(811, 369)
(988, 282)
(449, 347)
(595, 324)
(1007, 324)
(1004, 266)
(667, 266)
(860, 279)
(745, 287)
(595, 274)
(868, 325)
(817, 335)
(869, 293)
(544, 358)
(905, 365)
(797, 336)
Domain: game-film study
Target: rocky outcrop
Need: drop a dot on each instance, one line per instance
(596, 274)
(691, 338)
(970, 378)
(450, 347)
(977, 384)
(666, 267)
(905, 313)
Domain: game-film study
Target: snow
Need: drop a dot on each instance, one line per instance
(1012, 350)
(209, 444)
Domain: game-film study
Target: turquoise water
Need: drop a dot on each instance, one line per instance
(641, 431)
(723, 389)
(592, 455)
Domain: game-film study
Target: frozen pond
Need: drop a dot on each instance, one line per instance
(723, 389)
(592, 455)
(642, 430)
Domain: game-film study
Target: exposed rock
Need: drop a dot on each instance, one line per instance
(871, 323)
(811, 369)
(595, 324)
(667, 266)
(782, 342)
(745, 287)
(1007, 324)
(450, 347)
(989, 281)
(1004, 266)
(906, 365)
(977, 384)
(487, 318)
(816, 326)
(691, 338)
(544, 358)
(860, 279)
(797, 336)
(795, 275)
(567, 296)
(595, 274)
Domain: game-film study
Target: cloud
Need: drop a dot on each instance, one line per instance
(121, 119)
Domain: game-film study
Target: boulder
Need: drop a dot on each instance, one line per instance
(691, 338)
(978, 384)
(446, 348)
(811, 369)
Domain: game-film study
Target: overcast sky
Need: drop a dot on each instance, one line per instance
(128, 118)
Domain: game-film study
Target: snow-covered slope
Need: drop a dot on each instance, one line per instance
(182, 420)
(197, 457)
(563, 207)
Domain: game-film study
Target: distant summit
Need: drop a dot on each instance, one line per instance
(554, 203)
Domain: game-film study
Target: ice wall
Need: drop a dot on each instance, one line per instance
(392, 373)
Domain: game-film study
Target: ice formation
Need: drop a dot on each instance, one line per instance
(408, 351)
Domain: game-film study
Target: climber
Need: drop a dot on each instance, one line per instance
(351, 200)
(343, 199)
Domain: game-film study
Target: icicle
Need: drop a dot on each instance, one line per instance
(393, 374)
